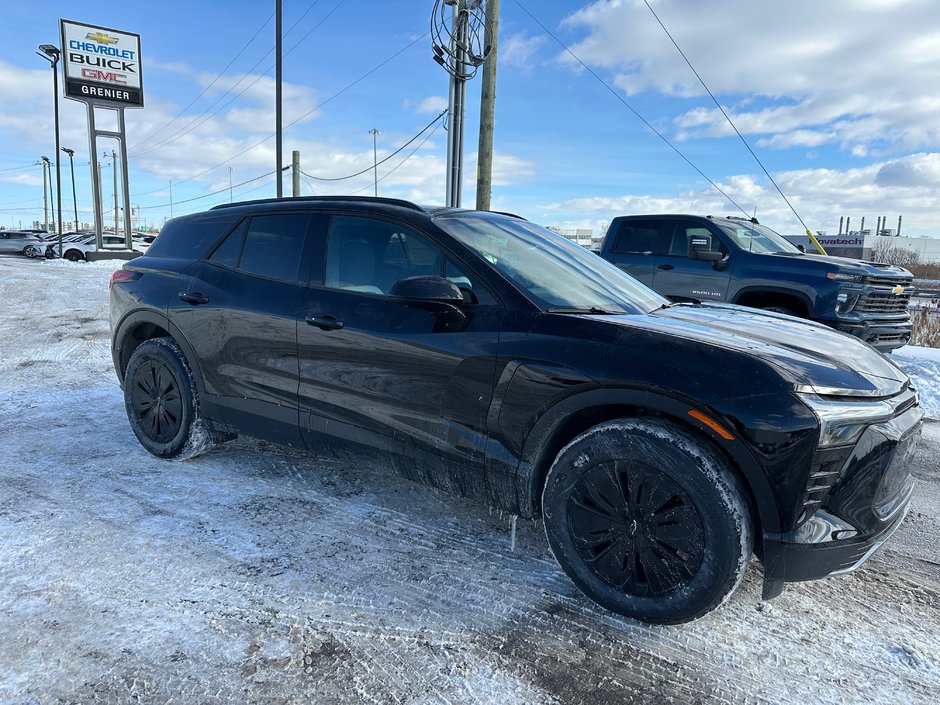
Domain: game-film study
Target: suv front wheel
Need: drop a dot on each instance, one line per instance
(161, 401)
(648, 520)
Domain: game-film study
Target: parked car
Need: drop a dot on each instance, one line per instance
(661, 443)
(79, 247)
(16, 242)
(740, 261)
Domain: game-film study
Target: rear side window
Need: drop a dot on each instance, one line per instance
(643, 237)
(274, 245)
(189, 238)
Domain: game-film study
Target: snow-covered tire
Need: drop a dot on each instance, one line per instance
(648, 520)
(162, 403)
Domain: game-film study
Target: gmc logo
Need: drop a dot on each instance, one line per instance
(106, 76)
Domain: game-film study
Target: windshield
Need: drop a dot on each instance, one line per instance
(554, 272)
(756, 238)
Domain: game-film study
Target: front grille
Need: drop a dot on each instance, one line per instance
(883, 302)
(890, 282)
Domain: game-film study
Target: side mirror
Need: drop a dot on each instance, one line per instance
(801, 248)
(427, 288)
(700, 247)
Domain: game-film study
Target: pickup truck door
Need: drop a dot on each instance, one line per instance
(635, 246)
(679, 276)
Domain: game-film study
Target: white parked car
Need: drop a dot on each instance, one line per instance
(78, 249)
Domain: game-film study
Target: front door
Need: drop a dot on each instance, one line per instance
(414, 379)
(680, 276)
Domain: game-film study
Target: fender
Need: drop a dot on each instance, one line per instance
(536, 455)
(795, 293)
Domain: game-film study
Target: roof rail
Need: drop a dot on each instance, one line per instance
(324, 199)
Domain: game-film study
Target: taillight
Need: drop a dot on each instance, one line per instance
(122, 275)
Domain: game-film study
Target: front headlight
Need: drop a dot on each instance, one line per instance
(843, 422)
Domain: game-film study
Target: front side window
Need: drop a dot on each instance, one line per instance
(369, 255)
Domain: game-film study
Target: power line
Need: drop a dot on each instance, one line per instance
(397, 151)
(410, 155)
(205, 90)
(630, 107)
(206, 115)
(727, 117)
(307, 114)
(214, 193)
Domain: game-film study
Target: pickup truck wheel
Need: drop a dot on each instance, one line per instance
(648, 520)
(781, 309)
(162, 403)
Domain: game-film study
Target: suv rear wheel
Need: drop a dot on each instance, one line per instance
(648, 520)
(161, 401)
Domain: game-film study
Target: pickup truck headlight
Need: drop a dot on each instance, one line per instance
(845, 277)
(843, 422)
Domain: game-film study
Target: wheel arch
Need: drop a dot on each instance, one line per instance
(569, 418)
(140, 326)
(761, 297)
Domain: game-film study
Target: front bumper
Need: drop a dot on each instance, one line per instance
(861, 511)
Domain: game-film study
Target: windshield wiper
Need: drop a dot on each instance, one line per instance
(592, 309)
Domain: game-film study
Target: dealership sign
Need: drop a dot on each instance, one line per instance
(101, 65)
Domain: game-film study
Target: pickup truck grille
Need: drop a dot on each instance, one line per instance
(883, 299)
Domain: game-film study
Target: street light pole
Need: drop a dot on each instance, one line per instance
(51, 53)
(45, 195)
(375, 162)
(71, 153)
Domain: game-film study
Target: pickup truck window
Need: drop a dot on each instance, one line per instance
(752, 237)
(641, 237)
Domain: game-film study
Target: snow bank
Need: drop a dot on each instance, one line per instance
(922, 365)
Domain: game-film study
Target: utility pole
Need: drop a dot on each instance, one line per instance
(114, 169)
(277, 98)
(375, 162)
(456, 43)
(487, 108)
(230, 184)
(45, 196)
(71, 153)
(295, 173)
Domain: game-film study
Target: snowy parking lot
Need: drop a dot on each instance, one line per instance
(259, 574)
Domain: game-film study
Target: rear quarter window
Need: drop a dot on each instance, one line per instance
(190, 238)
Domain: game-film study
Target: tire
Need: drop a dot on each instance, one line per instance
(74, 256)
(162, 403)
(648, 520)
(781, 309)
(29, 251)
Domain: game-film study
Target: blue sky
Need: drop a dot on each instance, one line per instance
(837, 99)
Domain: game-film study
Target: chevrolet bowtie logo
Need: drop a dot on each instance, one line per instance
(101, 38)
(898, 290)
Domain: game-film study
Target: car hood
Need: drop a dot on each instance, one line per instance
(811, 356)
(873, 268)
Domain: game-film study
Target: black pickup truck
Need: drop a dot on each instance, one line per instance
(739, 261)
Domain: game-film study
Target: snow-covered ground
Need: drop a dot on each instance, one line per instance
(260, 574)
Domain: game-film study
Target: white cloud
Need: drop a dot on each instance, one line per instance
(908, 186)
(842, 72)
(431, 105)
(520, 50)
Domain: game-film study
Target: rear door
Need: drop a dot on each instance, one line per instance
(636, 246)
(410, 378)
(239, 312)
(679, 276)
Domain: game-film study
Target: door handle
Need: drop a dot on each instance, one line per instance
(325, 322)
(195, 298)
(665, 267)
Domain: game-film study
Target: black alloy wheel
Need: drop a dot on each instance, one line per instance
(161, 402)
(648, 519)
(157, 401)
(636, 528)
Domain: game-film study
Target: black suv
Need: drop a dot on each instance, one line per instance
(661, 443)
